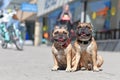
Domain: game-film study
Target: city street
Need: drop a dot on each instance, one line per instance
(35, 63)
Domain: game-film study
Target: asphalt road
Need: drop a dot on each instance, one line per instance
(35, 63)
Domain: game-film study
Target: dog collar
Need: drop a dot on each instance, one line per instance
(67, 42)
(84, 42)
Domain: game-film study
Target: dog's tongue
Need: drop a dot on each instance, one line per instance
(83, 34)
(61, 39)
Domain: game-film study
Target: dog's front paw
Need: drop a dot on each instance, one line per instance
(55, 68)
(95, 69)
(68, 70)
(74, 69)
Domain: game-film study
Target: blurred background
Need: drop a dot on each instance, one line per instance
(40, 17)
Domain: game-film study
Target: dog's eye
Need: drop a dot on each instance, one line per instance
(88, 27)
(79, 27)
(64, 32)
(56, 32)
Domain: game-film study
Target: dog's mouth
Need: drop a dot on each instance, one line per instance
(60, 38)
(84, 35)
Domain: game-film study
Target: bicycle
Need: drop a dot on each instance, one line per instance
(11, 35)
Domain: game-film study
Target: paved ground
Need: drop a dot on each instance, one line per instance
(35, 63)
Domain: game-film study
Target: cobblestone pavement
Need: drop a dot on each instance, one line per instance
(35, 63)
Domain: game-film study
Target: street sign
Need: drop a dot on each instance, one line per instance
(28, 7)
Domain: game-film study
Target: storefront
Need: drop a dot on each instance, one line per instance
(48, 12)
(102, 14)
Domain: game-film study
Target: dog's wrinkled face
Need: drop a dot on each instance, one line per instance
(84, 31)
(60, 34)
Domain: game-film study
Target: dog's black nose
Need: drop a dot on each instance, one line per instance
(79, 31)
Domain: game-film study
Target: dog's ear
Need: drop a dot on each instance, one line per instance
(79, 24)
(89, 23)
(91, 27)
(64, 27)
(56, 27)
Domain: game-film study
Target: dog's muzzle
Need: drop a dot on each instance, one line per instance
(83, 31)
(60, 38)
(84, 34)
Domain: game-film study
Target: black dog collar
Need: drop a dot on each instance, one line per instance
(84, 42)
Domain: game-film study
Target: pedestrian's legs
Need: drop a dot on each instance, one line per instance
(16, 26)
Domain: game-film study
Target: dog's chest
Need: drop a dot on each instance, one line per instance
(86, 48)
(86, 53)
(60, 54)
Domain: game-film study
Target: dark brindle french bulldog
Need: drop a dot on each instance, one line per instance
(85, 49)
(61, 49)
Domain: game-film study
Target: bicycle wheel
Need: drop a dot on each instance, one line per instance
(4, 45)
(19, 45)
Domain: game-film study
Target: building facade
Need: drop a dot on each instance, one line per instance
(103, 14)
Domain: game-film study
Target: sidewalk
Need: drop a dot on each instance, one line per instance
(35, 63)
